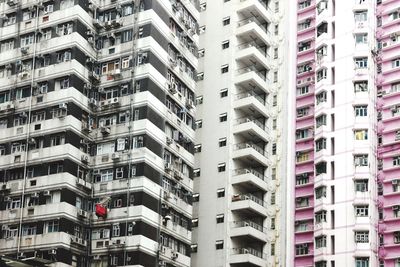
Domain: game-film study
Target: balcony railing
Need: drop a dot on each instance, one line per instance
(252, 171)
(250, 145)
(251, 94)
(255, 45)
(252, 251)
(256, 21)
(250, 197)
(240, 224)
(252, 69)
(256, 122)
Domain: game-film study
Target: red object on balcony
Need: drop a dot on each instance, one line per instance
(101, 211)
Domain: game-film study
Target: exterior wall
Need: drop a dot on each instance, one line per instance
(252, 172)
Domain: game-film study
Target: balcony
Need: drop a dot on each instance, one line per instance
(255, 8)
(251, 52)
(250, 29)
(247, 257)
(249, 204)
(252, 76)
(252, 129)
(249, 230)
(250, 179)
(251, 154)
(42, 241)
(250, 103)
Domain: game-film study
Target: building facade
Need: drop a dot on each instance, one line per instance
(238, 212)
(338, 215)
(97, 131)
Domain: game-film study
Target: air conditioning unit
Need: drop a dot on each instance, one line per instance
(4, 227)
(85, 159)
(114, 101)
(47, 193)
(174, 255)
(35, 195)
(395, 182)
(93, 102)
(12, 2)
(115, 156)
(62, 106)
(169, 140)
(7, 199)
(172, 88)
(96, 257)
(167, 195)
(396, 207)
(53, 252)
(105, 130)
(24, 50)
(168, 166)
(82, 213)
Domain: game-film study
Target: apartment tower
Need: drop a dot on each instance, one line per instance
(239, 176)
(97, 132)
(336, 191)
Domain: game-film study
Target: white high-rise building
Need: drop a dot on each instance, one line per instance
(241, 127)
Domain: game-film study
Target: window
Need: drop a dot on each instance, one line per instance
(126, 36)
(64, 29)
(196, 197)
(362, 262)
(301, 134)
(320, 121)
(52, 226)
(193, 248)
(361, 134)
(272, 249)
(273, 198)
(7, 45)
(119, 172)
(27, 40)
(221, 192)
(396, 63)
(225, 44)
(361, 237)
(321, 97)
(320, 216)
(395, 87)
(361, 160)
(322, 5)
(219, 244)
(304, 4)
(303, 46)
(361, 111)
(273, 220)
(222, 142)
(105, 175)
(321, 264)
(320, 168)
(220, 218)
(63, 56)
(361, 86)
(320, 241)
(223, 117)
(116, 230)
(396, 237)
(304, 68)
(224, 69)
(57, 140)
(320, 192)
(361, 185)
(302, 179)
(221, 167)
(361, 211)
(321, 74)
(226, 21)
(302, 157)
(395, 15)
(64, 83)
(302, 112)
(361, 38)
(302, 249)
(303, 90)
(320, 144)
(304, 25)
(302, 202)
(361, 63)
(360, 15)
(224, 92)
(28, 230)
(396, 161)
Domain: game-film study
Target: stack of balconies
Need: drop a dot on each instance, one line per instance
(251, 178)
(304, 189)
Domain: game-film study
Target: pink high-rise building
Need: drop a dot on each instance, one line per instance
(347, 175)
